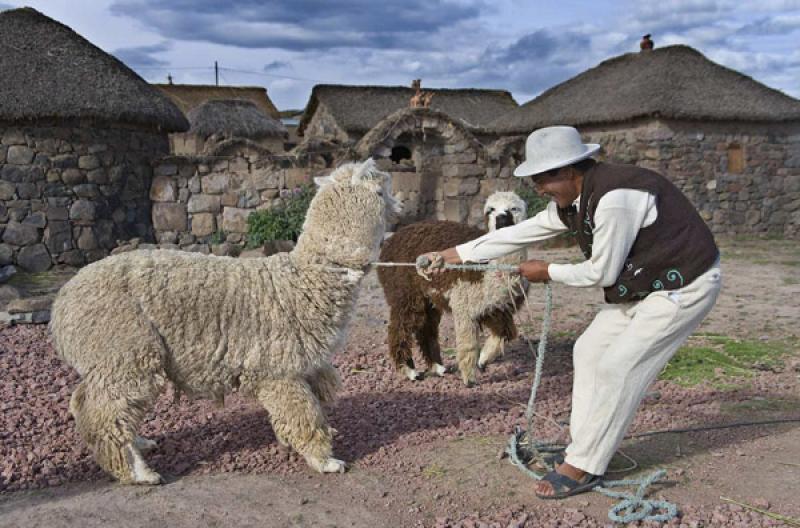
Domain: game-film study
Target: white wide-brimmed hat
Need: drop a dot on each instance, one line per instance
(552, 148)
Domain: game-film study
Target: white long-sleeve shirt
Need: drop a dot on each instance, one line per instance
(619, 216)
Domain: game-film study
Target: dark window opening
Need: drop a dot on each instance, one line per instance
(400, 153)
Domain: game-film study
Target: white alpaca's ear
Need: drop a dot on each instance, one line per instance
(367, 171)
(322, 181)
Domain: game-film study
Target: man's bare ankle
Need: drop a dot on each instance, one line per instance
(570, 471)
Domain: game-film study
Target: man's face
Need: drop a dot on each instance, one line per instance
(560, 185)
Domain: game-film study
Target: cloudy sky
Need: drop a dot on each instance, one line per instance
(521, 46)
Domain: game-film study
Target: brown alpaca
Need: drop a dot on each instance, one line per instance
(477, 300)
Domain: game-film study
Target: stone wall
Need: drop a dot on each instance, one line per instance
(201, 202)
(450, 174)
(68, 193)
(743, 178)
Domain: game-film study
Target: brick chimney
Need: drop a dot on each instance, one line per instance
(646, 44)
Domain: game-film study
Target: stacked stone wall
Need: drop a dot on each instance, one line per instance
(203, 202)
(743, 178)
(68, 193)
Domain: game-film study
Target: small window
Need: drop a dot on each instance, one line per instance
(735, 159)
(400, 153)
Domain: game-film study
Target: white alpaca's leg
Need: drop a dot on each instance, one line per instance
(492, 349)
(325, 382)
(466, 346)
(108, 407)
(299, 421)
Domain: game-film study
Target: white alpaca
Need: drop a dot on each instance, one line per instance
(502, 209)
(210, 325)
(476, 299)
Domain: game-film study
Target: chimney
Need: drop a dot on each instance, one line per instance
(646, 44)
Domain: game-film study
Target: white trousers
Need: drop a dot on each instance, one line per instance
(617, 358)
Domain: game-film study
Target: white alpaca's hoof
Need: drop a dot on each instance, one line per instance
(437, 369)
(148, 477)
(144, 444)
(140, 472)
(334, 465)
(329, 465)
(411, 373)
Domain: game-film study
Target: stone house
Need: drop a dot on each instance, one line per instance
(729, 142)
(78, 133)
(221, 127)
(438, 156)
(189, 97)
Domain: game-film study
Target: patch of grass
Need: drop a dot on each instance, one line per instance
(717, 359)
(449, 352)
(789, 281)
(434, 471)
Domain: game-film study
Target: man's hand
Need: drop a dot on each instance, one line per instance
(437, 259)
(535, 270)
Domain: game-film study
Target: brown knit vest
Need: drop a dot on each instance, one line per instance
(666, 255)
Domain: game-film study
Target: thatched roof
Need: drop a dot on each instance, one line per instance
(233, 118)
(674, 82)
(49, 71)
(189, 96)
(359, 108)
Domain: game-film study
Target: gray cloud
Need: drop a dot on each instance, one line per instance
(300, 24)
(276, 65)
(775, 25)
(3, 6)
(142, 56)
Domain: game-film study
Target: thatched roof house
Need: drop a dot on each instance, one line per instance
(674, 82)
(49, 71)
(80, 132)
(354, 110)
(190, 96)
(233, 118)
(227, 127)
(729, 142)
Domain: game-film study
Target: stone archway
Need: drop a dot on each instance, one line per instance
(443, 175)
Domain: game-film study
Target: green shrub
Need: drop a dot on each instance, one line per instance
(534, 202)
(218, 237)
(283, 221)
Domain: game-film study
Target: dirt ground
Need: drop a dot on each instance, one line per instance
(426, 453)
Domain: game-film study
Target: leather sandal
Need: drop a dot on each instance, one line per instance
(564, 487)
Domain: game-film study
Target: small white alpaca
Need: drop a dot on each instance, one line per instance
(264, 327)
(477, 300)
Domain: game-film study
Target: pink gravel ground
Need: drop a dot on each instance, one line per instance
(388, 425)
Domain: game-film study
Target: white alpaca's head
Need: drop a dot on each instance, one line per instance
(348, 216)
(504, 209)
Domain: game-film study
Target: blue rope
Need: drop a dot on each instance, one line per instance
(633, 506)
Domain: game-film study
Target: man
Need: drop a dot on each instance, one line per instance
(655, 258)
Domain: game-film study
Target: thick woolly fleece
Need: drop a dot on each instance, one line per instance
(211, 325)
(477, 300)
